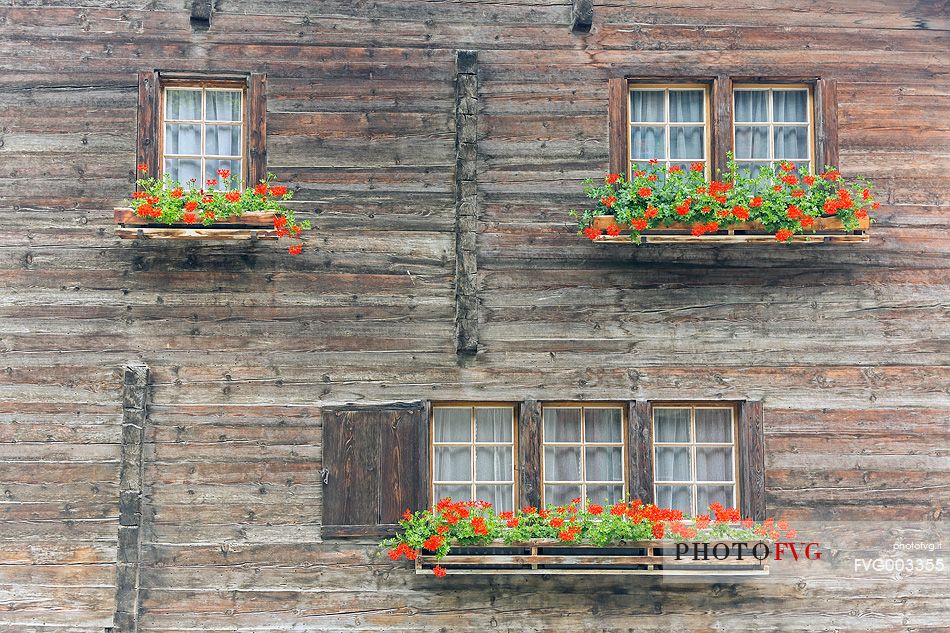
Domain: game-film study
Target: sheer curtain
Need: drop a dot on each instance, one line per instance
(654, 113)
(790, 141)
(761, 136)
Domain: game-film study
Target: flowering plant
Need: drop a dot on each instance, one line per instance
(169, 202)
(474, 523)
(785, 201)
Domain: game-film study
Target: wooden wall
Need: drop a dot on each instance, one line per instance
(847, 346)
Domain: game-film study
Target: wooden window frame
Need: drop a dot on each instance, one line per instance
(204, 86)
(473, 444)
(150, 116)
(693, 444)
(721, 136)
(582, 444)
(647, 85)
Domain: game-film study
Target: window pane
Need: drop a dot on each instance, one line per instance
(752, 142)
(501, 497)
(223, 140)
(183, 105)
(183, 170)
(453, 463)
(752, 169)
(493, 424)
(605, 463)
(676, 497)
(671, 425)
(686, 106)
(752, 106)
(211, 172)
(706, 495)
(714, 425)
(562, 463)
(791, 142)
(604, 494)
(183, 138)
(790, 106)
(603, 425)
(646, 106)
(456, 493)
(672, 464)
(453, 424)
(687, 143)
(560, 495)
(562, 425)
(714, 464)
(223, 105)
(493, 463)
(648, 142)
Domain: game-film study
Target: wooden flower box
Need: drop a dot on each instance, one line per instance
(250, 226)
(650, 558)
(828, 229)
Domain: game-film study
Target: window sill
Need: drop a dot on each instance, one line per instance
(250, 226)
(827, 230)
(646, 558)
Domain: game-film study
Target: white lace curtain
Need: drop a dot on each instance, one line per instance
(764, 135)
(183, 125)
(680, 113)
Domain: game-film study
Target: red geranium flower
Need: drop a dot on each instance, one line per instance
(698, 230)
(645, 192)
(612, 178)
(676, 169)
(280, 221)
(793, 212)
(142, 167)
(191, 205)
(783, 235)
(512, 523)
(790, 179)
(652, 177)
(608, 201)
(697, 167)
(658, 530)
(808, 180)
(591, 233)
(261, 189)
(654, 161)
(557, 522)
(638, 223)
(650, 212)
(807, 221)
(278, 191)
(177, 192)
(702, 521)
(434, 542)
(439, 571)
(740, 212)
(190, 218)
(595, 509)
(755, 202)
(613, 230)
(232, 196)
(224, 173)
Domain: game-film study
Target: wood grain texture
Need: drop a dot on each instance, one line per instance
(466, 202)
(640, 455)
(529, 453)
(845, 346)
(752, 474)
(617, 113)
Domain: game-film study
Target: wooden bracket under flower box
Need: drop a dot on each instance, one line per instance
(250, 226)
(652, 558)
(826, 230)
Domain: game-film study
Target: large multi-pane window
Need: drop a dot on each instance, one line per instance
(473, 454)
(772, 124)
(583, 453)
(694, 457)
(669, 124)
(203, 132)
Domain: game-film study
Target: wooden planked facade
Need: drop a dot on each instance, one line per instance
(846, 346)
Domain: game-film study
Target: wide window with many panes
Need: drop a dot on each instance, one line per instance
(669, 124)
(694, 452)
(772, 124)
(203, 131)
(473, 453)
(583, 453)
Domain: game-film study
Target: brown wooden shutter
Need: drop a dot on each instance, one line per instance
(617, 99)
(529, 453)
(751, 460)
(640, 453)
(377, 463)
(721, 142)
(826, 124)
(148, 118)
(257, 128)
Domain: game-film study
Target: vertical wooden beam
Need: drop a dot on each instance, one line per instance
(617, 99)
(529, 453)
(131, 479)
(466, 201)
(752, 459)
(146, 149)
(582, 16)
(826, 124)
(257, 128)
(721, 141)
(640, 455)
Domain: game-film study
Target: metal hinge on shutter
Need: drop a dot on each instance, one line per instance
(325, 474)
